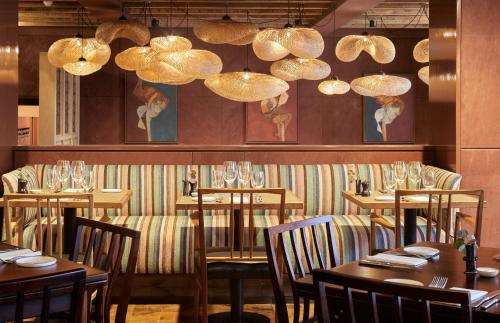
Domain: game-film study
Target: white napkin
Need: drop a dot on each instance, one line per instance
(397, 260)
(422, 251)
(237, 200)
(474, 293)
(111, 190)
(6, 256)
(73, 190)
(385, 198)
(418, 198)
(204, 198)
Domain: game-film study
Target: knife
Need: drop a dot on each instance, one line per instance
(490, 303)
(486, 298)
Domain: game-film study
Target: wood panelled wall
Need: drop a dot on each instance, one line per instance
(207, 119)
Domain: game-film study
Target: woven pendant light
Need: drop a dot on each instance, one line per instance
(69, 50)
(423, 74)
(381, 84)
(300, 68)
(170, 43)
(81, 67)
(381, 49)
(246, 86)
(160, 72)
(123, 28)
(274, 44)
(135, 58)
(334, 86)
(421, 51)
(225, 31)
(195, 63)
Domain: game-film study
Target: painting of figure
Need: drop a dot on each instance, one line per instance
(151, 112)
(273, 120)
(389, 119)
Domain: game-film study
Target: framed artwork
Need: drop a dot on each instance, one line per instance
(150, 111)
(273, 120)
(388, 119)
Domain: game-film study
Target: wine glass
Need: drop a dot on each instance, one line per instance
(244, 172)
(77, 171)
(52, 180)
(257, 180)
(230, 172)
(88, 181)
(400, 173)
(415, 173)
(63, 170)
(429, 179)
(389, 179)
(218, 180)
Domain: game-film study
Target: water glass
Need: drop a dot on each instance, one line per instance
(415, 173)
(63, 170)
(429, 179)
(400, 173)
(230, 172)
(88, 181)
(257, 179)
(244, 172)
(389, 180)
(77, 171)
(52, 180)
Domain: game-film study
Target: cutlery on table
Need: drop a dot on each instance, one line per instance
(483, 300)
(490, 303)
(438, 282)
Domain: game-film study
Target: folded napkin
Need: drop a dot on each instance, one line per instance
(474, 293)
(237, 200)
(204, 198)
(385, 198)
(111, 190)
(6, 256)
(418, 198)
(396, 260)
(73, 190)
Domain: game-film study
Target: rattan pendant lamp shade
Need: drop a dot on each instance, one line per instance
(69, 50)
(381, 85)
(300, 68)
(123, 28)
(423, 74)
(421, 51)
(334, 86)
(170, 43)
(81, 67)
(135, 58)
(225, 31)
(380, 48)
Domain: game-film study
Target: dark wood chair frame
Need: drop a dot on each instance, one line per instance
(236, 248)
(45, 286)
(108, 256)
(424, 295)
(277, 250)
(438, 211)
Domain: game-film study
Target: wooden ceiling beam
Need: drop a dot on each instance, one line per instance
(104, 10)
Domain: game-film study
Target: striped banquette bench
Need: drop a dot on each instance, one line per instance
(167, 234)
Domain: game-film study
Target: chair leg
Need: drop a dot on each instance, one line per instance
(305, 314)
(204, 302)
(296, 309)
(196, 301)
(373, 232)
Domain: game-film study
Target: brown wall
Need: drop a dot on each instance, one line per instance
(207, 119)
(479, 108)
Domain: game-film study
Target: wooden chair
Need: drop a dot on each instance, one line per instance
(51, 290)
(300, 275)
(438, 200)
(423, 295)
(103, 248)
(238, 260)
(42, 201)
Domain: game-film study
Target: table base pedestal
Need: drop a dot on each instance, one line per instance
(246, 317)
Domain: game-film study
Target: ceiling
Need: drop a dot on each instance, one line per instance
(268, 13)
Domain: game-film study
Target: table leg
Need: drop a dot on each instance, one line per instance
(69, 229)
(410, 228)
(1, 222)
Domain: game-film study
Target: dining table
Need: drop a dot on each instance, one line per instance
(10, 272)
(409, 206)
(449, 263)
(115, 199)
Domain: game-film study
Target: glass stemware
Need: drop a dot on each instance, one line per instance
(230, 172)
(218, 180)
(63, 170)
(415, 173)
(429, 179)
(52, 180)
(257, 181)
(244, 173)
(77, 172)
(400, 173)
(88, 181)
(389, 179)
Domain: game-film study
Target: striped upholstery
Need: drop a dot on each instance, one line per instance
(168, 235)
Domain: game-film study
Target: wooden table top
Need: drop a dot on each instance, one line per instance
(369, 202)
(269, 201)
(12, 272)
(449, 264)
(101, 200)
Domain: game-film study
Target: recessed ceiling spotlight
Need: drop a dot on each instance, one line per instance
(48, 3)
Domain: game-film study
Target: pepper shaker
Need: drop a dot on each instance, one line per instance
(471, 257)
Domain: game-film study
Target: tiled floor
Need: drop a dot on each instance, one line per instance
(174, 313)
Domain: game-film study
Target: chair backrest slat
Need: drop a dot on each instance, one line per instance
(296, 253)
(317, 247)
(307, 250)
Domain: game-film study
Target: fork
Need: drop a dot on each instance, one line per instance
(438, 282)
